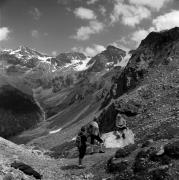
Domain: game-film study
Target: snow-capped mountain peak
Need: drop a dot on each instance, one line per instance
(27, 53)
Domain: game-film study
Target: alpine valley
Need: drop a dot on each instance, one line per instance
(45, 100)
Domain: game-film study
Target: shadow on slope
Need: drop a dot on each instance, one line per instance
(18, 111)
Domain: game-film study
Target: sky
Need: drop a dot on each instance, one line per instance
(88, 26)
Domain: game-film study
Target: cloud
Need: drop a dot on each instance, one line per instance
(163, 22)
(90, 50)
(102, 10)
(3, 2)
(139, 35)
(120, 45)
(84, 32)
(4, 32)
(91, 1)
(95, 49)
(36, 14)
(153, 4)
(54, 53)
(166, 21)
(35, 33)
(84, 13)
(130, 15)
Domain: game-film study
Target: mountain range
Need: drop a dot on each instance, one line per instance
(71, 74)
(58, 95)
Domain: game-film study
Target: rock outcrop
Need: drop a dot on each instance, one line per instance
(152, 162)
(156, 58)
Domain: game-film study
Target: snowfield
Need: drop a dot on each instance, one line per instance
(55, 131)
(78, 65)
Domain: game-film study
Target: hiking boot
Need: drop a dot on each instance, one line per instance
(101, 151)
(118, 136)
(81, 166)
(123, 136)
(91, 153)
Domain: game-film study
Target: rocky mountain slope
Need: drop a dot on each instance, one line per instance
(147, 68)
(147, 94)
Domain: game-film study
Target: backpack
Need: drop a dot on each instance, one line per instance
(94, 128)
(78, 141)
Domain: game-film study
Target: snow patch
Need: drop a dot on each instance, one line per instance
(44, 59)
(55, 131)
(111, 141)
(124, 60)
(109, 63)
(83, 65)
(74, 138)
(78, 65)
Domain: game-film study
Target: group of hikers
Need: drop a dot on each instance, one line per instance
(92, 131)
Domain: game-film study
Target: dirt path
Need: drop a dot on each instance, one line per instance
(92, 163)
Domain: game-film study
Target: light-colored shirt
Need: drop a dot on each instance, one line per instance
(94, 124)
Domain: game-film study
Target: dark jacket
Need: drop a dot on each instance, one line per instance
(83, 138)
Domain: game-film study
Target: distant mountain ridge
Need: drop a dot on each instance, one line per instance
(108, 58)
(72, 73)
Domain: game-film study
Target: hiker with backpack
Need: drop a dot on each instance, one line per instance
(120, 126)
(94, 134)
(81, 143)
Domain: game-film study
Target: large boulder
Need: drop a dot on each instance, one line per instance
(115, 165)
(126, 151)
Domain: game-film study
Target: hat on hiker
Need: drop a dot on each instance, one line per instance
(118, 115)
(83, 128)
(95, 118)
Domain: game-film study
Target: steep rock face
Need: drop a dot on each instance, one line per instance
(157, 48)
(157, 51)
(18, 110)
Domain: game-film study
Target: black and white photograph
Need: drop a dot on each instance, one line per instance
(89, 89)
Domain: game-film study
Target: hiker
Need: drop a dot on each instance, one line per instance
(81, 141)
(120, 126)
(94, 133)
